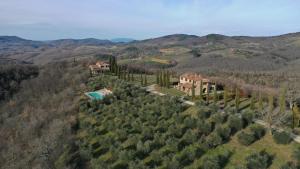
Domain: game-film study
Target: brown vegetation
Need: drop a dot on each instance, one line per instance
(37, 122)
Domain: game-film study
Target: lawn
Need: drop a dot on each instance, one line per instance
(169, 91)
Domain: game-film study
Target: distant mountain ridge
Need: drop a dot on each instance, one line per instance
(213, 50)
(122, 40)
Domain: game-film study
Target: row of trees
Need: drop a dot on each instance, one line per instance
(256, 97)
(124, 73)
(163, 78)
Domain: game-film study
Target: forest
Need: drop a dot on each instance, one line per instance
(12, 75)
(38, 120)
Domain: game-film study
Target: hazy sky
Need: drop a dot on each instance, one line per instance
(140, 19)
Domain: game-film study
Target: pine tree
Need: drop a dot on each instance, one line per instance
(201, 91)
(225, 96)
(282, 99)
(193, 90)
(237, 100)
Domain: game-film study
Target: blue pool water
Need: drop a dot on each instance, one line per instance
(96, 95)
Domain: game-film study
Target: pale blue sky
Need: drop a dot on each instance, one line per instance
(140, 19)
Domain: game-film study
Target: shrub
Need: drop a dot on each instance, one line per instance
(247, 117)
(246, 138)
(214, 139)
(189, 122)
(258, 130)
(224, 132)
(296, 155)
(204, 127)
(281, 137)
(216, 161)
(235, 123)
(261, 160)
(218, 118)
(203, 114)
(186, 156)
(211, 162)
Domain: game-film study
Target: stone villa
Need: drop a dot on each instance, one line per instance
(186, 83)
(99, 67)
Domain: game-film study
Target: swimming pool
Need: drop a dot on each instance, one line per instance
(95, 95)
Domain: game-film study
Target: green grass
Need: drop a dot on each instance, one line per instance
(169, 91)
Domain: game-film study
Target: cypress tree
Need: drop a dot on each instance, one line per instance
(146, 83)
(193, 90)
(252, 101)
(260, 102)
(168, 79)
(113, 65)
(110, 63)
(296, 113)
(157, 77)
(225, 96)
(142, 81)
(207, 95)
(119, 72)
(161, 79)
(164, 79)
(282, 99)
(215, 95)
(271, 103)
(237, 99)
(132, 77)
(123, 75)
(128, 76)
(116, 69)
(201, 91)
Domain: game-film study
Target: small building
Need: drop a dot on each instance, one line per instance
(99, 67)
(187, 80)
